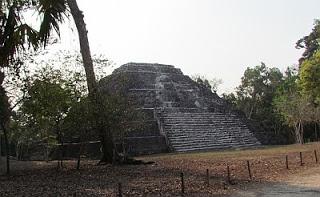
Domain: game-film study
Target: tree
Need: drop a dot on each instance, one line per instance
(309, 72)
(47, 103)
(119, 115)
(295, 109)
(285, 102)
(15, 36)
(94, 95)
(309, 77)
(78, 124)
(254, 95)
(310, 42)
(212, 84)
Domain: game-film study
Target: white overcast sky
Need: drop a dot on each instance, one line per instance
(216, 38)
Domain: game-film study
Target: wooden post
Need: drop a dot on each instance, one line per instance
(182, 183)
(287, 162)
(249, 170)
(114, 159)
(208, 178)
(316, 156)
(119, 190)
(301, 161)
(228, 174)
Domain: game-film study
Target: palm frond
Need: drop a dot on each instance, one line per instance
(22, 37)
(53, 13)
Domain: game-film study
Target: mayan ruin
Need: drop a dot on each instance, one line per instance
(183, 115)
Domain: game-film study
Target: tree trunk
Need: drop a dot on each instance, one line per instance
(81, 147)
(107, 147)
(60, 148)
(79, 155)
(296, 132)
(299, 132)
(315, 132)
(95, 98)
(4, 118)
(47, 150)
(6, 141)
(252, 106)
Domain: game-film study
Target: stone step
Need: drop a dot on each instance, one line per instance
(195, 145)
(207, 137)
(195, 113)
(201, 119)
(177, 120)
(212, 143)
(194, 130)
(205, 129)
(203, 125)
(211, 138)
(204, 136)
(197, 117)
(200, 131)
(198, 138)
(187, 146)
(213, 127)
(190, 149)
(202, 122)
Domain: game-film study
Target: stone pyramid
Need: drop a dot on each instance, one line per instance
(181, 114)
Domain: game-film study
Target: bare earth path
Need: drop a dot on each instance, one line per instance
(305, 184)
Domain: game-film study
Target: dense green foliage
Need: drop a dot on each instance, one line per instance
(55, 109)
(268, 96)
(309, 77)
(44, 107)
(289, 104)
(255, 94)
(16, 37)
(280, 101)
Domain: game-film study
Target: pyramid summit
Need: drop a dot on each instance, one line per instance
(181, 115)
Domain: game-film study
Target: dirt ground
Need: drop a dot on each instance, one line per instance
(305, 184)
(162, 178)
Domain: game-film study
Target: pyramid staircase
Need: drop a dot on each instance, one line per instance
(193, 130)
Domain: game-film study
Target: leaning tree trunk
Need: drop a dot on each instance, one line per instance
(95, 98)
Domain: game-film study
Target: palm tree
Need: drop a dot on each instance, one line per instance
(94, 94)
(15, 36)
